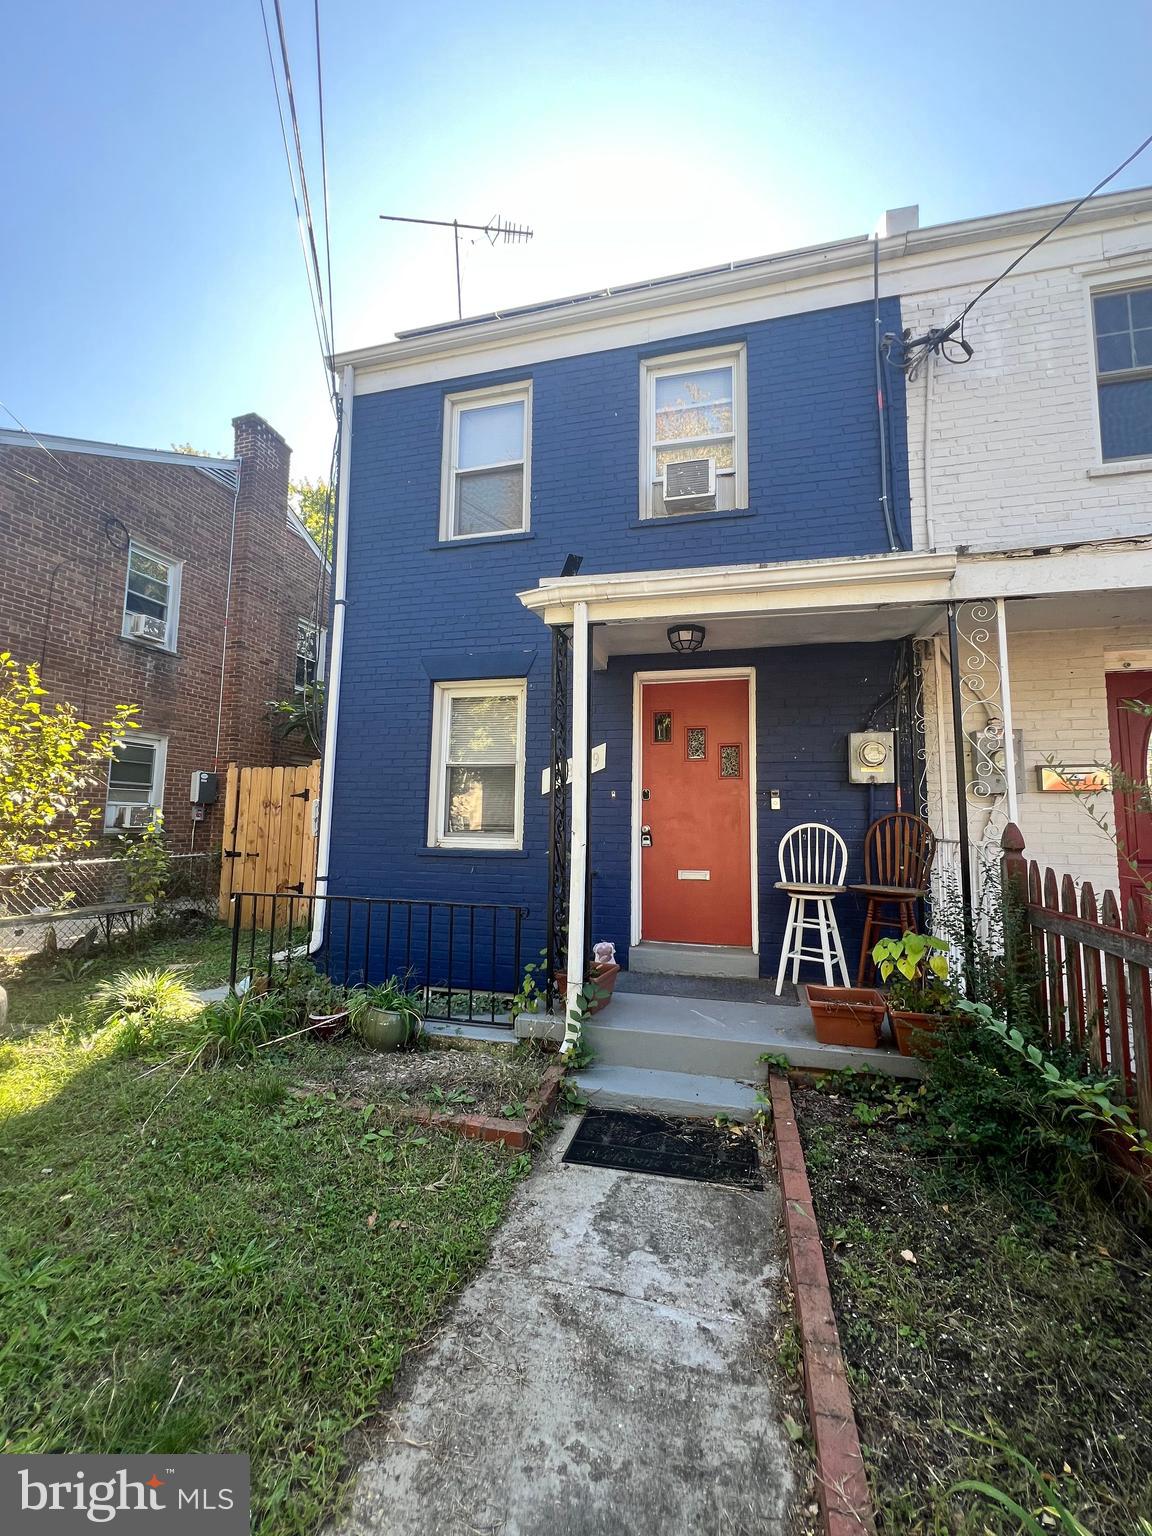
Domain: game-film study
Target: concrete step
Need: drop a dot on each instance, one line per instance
(725, 1040)
(660, 959)
(667, 1093)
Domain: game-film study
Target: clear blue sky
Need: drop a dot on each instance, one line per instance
(151, 282)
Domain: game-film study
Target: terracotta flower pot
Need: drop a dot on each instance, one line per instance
(850, 1016)
(605, 978)
(326, 1026)
(915, 1032)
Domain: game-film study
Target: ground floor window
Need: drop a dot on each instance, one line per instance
(477, 789)
(135, 783)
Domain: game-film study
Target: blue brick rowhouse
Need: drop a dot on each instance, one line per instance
(533, 504)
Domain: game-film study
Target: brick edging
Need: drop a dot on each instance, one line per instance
(841, 1481)
(516, 1134)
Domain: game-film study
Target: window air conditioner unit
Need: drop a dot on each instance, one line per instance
(138, 815)
(145, 627)
(690, 486)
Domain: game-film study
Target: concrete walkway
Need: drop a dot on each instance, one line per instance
(609, 1373)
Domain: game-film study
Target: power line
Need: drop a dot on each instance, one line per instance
(9, 412)
(324, 169)
(311, 261)
(937, 340)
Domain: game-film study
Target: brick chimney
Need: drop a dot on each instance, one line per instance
(253, 665)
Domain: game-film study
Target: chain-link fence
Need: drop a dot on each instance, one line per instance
(81, 903)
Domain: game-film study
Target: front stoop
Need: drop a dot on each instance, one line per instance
(722, 1040)
(654, 958)
(667, 1093)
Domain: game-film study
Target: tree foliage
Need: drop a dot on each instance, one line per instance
(50, 762)
(312, 502)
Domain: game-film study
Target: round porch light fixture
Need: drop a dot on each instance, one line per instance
(686, 637)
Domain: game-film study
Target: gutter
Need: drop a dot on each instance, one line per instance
(336, 659)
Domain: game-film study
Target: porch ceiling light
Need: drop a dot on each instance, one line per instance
(686, 637)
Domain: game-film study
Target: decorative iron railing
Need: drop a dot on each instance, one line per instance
(464, 959)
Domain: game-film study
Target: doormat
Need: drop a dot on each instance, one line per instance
(674, 1149)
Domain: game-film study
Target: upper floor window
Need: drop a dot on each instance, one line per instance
(487, 452)
(477, 792)
(693, 451)
(151, 598)
(1123, 323)
(310, 639)
(135, 783)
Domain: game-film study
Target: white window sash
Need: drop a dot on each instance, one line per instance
(112, 804)
(175, 569)
(654, 368)
(442, 761)
(454, 408)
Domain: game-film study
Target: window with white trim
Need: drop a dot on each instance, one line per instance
(151, 598)
(694, 411)
(1123, 326)
(311, 641)
(135, 783)
(487, 454)
(477, 791)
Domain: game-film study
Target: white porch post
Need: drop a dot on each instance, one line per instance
(1006, 712)
(578, 852)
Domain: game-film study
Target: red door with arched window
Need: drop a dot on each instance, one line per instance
(1131, 732)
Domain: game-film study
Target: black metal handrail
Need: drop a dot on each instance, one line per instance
(462, 958)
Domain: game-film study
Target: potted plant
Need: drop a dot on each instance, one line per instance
(386, 1016)
(602, 973)
(920, 998)
(847, 1015)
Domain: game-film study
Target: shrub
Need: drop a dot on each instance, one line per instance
(235, 1026)
(143, 1006)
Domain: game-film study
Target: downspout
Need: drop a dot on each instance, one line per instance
(885, 507)
(335, 659)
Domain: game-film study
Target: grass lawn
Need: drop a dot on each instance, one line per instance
(967, 1305)
(37, 995)
(211, 1263)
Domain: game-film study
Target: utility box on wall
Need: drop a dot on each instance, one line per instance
(871, 757)
(205, 788)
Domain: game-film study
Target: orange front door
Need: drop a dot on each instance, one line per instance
(695, 853)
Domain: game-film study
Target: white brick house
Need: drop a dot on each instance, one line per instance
(1016, 467)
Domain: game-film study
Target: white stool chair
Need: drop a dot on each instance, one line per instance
(813, 861)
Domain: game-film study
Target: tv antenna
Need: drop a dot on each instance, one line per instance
(496, 229)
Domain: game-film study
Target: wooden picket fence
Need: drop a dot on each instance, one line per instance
(269, 841)
(1093, 965)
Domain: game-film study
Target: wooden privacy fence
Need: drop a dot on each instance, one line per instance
(1093, 965)
(269, 840)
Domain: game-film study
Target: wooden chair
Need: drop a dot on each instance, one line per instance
(813, 859)
(898, 854)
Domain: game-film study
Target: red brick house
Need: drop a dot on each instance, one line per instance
(183, 585)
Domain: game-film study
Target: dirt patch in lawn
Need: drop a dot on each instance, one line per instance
(468, 1082)
(965, 1305)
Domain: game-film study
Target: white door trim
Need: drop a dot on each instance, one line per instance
(698, 675)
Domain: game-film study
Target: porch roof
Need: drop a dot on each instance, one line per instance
(795, 602)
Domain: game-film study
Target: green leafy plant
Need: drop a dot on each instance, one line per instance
(144, 1006)
(146, 862)
(529, 996)
(916, 966)
(235, 1026)
(50, 767)
(304, 992)
(395, 995)
(1052, 1514)
(456, 1096)
(1086, 1099)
